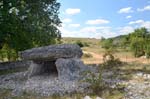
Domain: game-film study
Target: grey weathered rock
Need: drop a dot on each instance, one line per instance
(35, 69)
(14, 65)
(61, 60)
(69, 69)
(64, 69)
(52, 52)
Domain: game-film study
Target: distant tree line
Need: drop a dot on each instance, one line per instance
(138, 42)
(26, 24)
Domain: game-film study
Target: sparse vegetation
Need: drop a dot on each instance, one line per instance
(110, 61)
(107, 44)
(96, 82)
(87, 55)
(81, 44)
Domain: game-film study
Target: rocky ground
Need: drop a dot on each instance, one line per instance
(136, 88)
(43, 85)
(139, 87)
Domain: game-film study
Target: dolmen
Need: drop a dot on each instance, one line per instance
(63, 60)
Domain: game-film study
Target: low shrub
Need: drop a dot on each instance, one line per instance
(82, 44)
(110, 61)
(97, 84)
(86, 44)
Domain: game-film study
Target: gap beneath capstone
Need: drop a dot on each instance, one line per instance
(43, 68)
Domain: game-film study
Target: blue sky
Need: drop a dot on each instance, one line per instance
(103, 18)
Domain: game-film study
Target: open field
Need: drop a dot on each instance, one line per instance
(97, 52)
(96, 55)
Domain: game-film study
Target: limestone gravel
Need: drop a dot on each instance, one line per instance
(42, 85)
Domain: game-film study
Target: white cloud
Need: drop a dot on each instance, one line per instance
(74, 25)
(126, 30)
(89, 32)
(146, 8)
(67, 20)
(141, 23)
(93, 29)
(136, 22)
(126, 10)
(128, 17)
(97, 21)
(146, 24)
(103, 31)
(72, 11)
(98, 32)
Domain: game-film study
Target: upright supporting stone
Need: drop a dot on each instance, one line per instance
(34, 69)
(69, 69)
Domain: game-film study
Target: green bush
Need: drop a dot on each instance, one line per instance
(82, 44)
(86, 44)
(107, 44)
(79, 43)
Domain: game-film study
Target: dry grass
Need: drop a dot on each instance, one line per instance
(91, 41)
(98, 53)
(6, 94)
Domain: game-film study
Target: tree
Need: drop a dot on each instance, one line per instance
(139, 41)
(124, 42)
(137, 46)
(28, 23)
(108, 43)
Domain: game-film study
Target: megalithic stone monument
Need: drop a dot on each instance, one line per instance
(63, 60)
